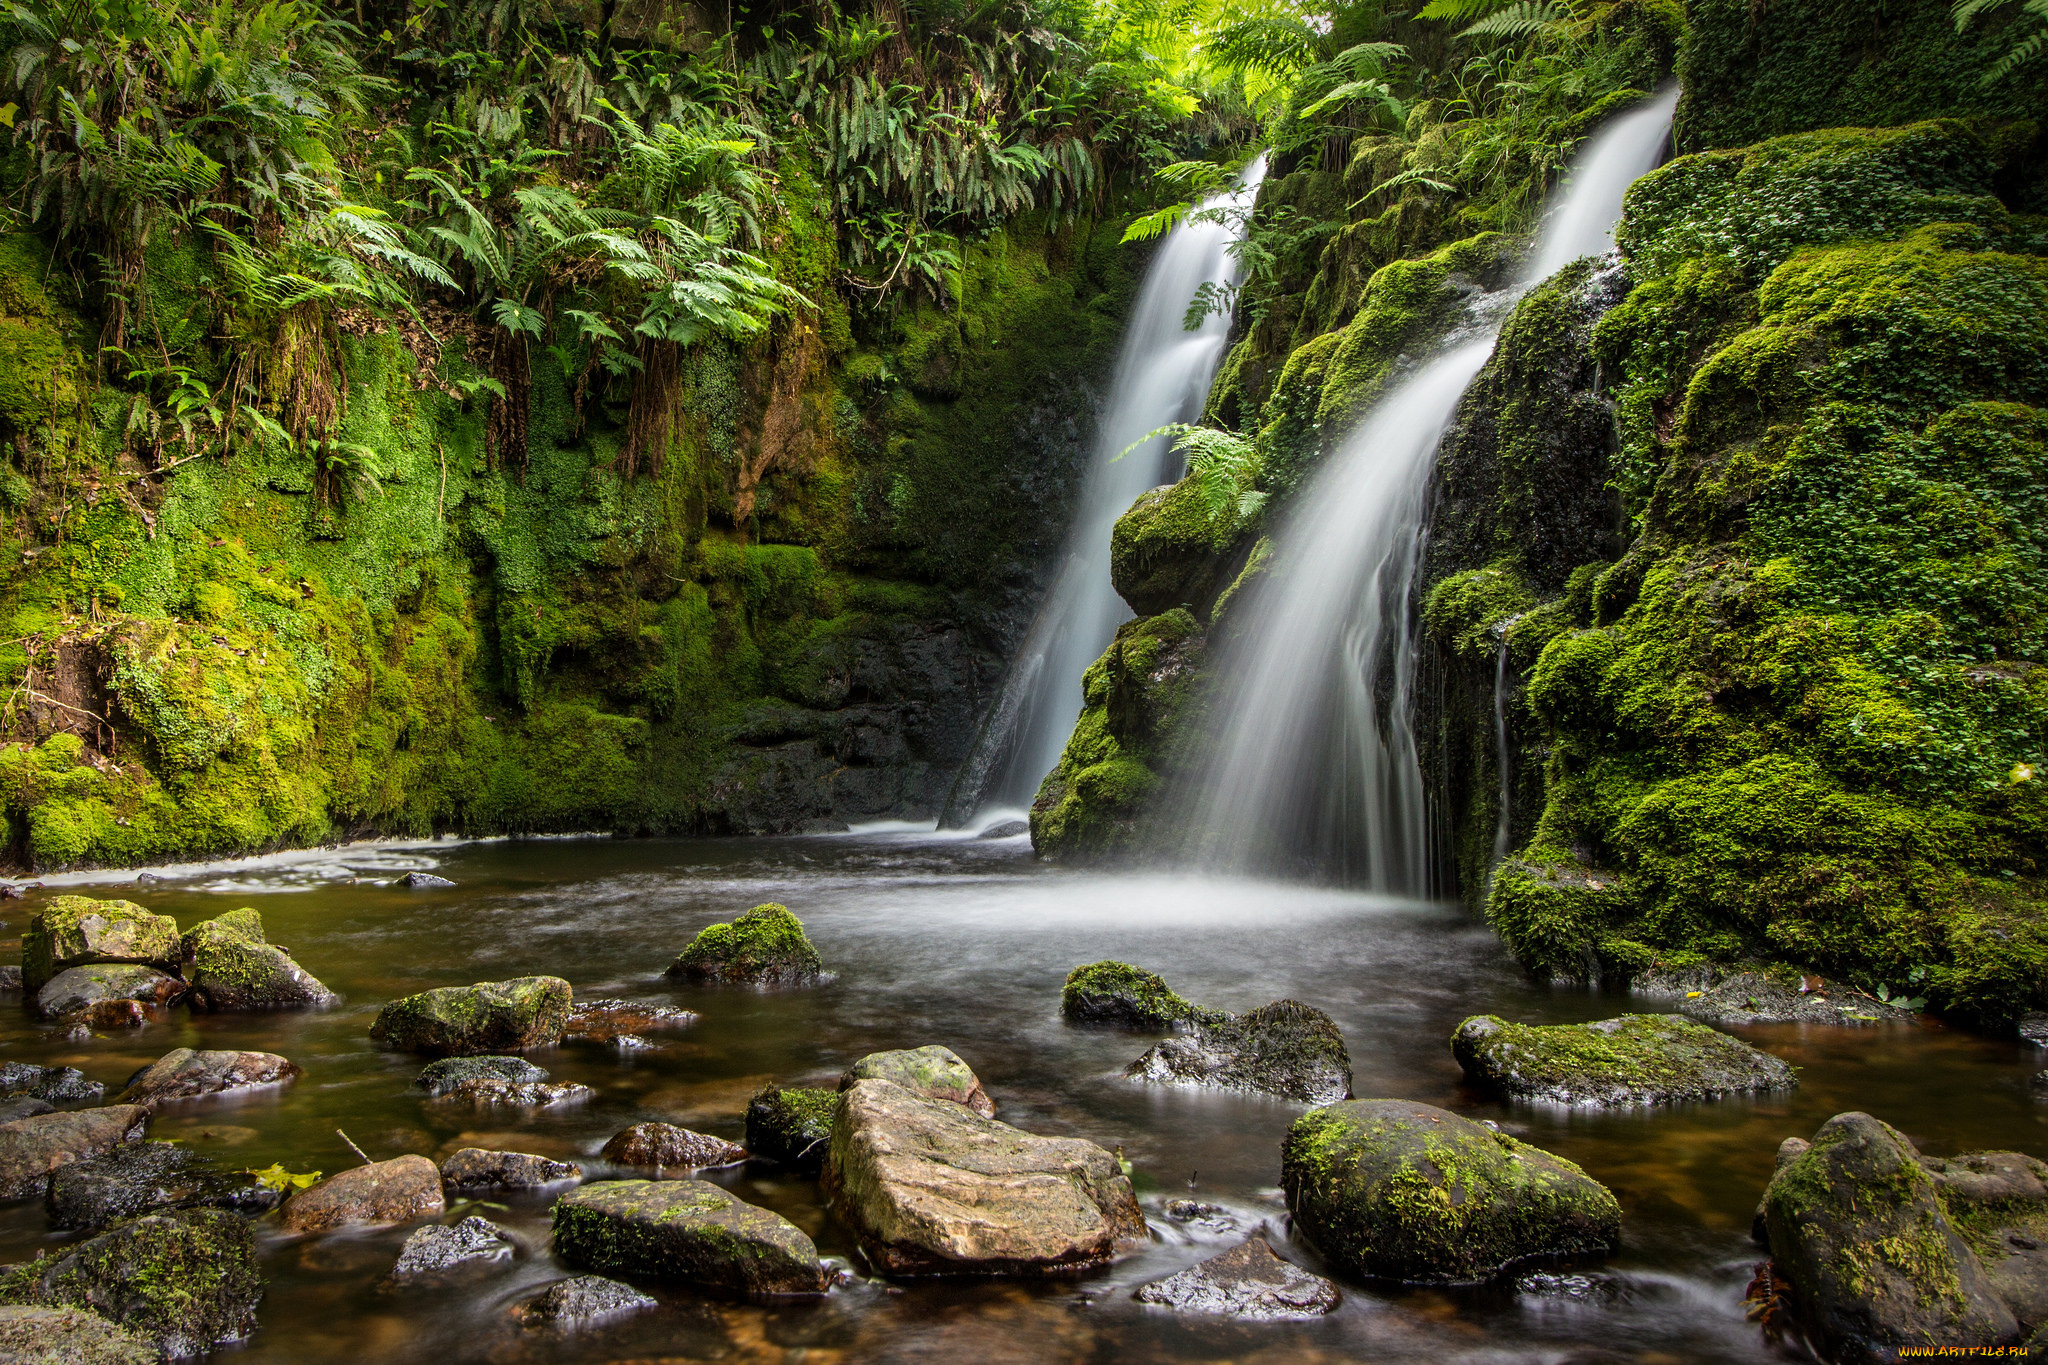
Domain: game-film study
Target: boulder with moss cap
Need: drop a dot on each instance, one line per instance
(685, 1230)
(1287, 1049)
(1116, 993)
(78, 931)
(935, 1072)
(489, 1017)
(766, 946)
(232, 967)
(1635, 1059)
(792, 1125)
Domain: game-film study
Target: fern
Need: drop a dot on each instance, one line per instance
(2026, 45)
(1520, 20)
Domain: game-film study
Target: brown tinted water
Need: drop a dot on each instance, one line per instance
(965, 942)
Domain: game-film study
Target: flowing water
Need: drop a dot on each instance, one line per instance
(1162, 376)
(965, 941)
(1315, 767)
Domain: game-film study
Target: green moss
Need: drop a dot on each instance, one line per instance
(1116, 992)
(766, 945)
(187, 1280)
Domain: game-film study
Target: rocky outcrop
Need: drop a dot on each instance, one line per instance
(933, 1188)
(142, 1177)
(78, 931)
(937, 1073)
(1247, 1282)
(689, 1231)
(792, 1125)
(435, 1250)
(1396, 1190)
(663, 1146)
(31, 1148)
(394, 1191)
(491, 1016)
(34, 1335)
(81, 990)
(56, 1084)
(1123, 996)
(479, 1168)
(232, 967)
(183, 1074)
(766, 946)
(1287, 1049)
(581, 1299)
(1635, 1059)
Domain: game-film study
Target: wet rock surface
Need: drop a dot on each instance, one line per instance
(392, 1191)
(487, 1093)
(766, 946)
(78, 931)
(24, 1107)
(37, 1335)
(624, 1023)
(141, 1177)
(1122, 996)
(792, 1125)
(689, 1231)
(1635, 1059)
(1393, 1189)
(1286, 1049)
(423, 881)
(184, 1074)
(1248, 1282)
(489, 1017)
(56, 1084)
(438, 1078)
(232, 967)
(937, 1073)
(78, 990)
(582, 1299)
(479, 1168)
(1730, 999)
(664, 1146)
(435, 1249)
(933, 1188)
(31, 1148)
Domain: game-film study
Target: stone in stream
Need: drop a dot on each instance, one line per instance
(766, 946)
(491, 1093)
(79, 990)
(792, 1125)
(438, 1078)
(1286, 1049)
(1006, 829)
(24, 1107)
(57, 1084)
(1248, 1282)
(33, 1147)
(394, 1191)
(10, 979)
(186, 1280)
(1728, 998)
(1635, 1059)
(620, 1023)
(477, 1168)
(78, 931)
(489, 1017)
(2033, 1028)
(36, 1335)
(685, 1230)
(937, 1073)
(185, 1074)
(1396, 1190)
(932, 1188)
(232, 967)
(141, 1177)
(1118, 994)
(2039, 1085)
(581, 1299)
(664, 1146)
(423, 881)
(434, 1249)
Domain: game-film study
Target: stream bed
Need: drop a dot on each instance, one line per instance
(963, 941)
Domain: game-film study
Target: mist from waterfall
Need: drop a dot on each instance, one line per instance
(1314, 768)
(1162, 375)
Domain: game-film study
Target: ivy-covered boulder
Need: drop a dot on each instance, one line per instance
(1286, 1049)
(77, 931)
(231, 967)
(1116, 993)
(766, 946)
(1635, 1059)
(491, 1016)
(81, 990)
(1396, 1190)
(685, 1230)
(937, 1073)
(792, 1125)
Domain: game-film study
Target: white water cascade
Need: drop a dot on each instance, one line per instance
(1162, 375)
(1315, 767)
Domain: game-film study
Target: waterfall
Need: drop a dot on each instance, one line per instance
(1500, 743)
(1315, 767)
(1162, 375)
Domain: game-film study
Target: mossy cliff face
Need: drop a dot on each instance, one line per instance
(792, 619)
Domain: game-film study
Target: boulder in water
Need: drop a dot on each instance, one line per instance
(436, 1249)
(1247, 1282)
(792, 1125)
(56, 1084)
(1729, 998)
(1286, 1049)
(1006, 829)
(232, 967)
(142, 1177)
(477, 1168)
(1395, 1190)
(766, 946)
(423, 881)
(937, 1073)
(31, 1148)
(38, 1335)
(439, 1078)
(184, 1074)
(394, 1191)
(663, 1146)
(485, 1093)
(1635, 1059)
(621, 1023)
(78, 931)
(685, 1230)
(581, 1299)
(24, 1107)
(491, 1016)
(79, 990)
(1116, 993)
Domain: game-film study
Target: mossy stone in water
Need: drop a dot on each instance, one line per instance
(937, 1073)
(764, 947)
(231, 967)
(74, 931)
(68, 1336)
(491, 1016)
(792, 1126)
(1635, 1059)
(1288, 1049)
(1118, 993)
(1396, 1190)
(685, 1230)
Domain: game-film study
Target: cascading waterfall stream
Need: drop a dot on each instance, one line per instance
(1316, 767)
(1162, 375)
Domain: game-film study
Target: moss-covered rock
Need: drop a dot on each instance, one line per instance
(231, 967)
(1287, 1049)
(1170, 550)
(75, 931)
(1395, 1190)
(69, 1336)
(792, 1125)
(1119, 994)
(935, 1072)
(1635, 1059)
(446, 1075)
(766, 946)
(688, 1231)
(491, 1016)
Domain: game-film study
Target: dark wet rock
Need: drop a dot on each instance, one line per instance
(1396, 1190)
(685, 1230)
(664, 1146)
(2033, 1028)
(141, 1177)
(438, 1078)
(1726, 999)
(78, 931)
(232, 967)
(792, 1125)
(580, 1300)
(766, 946)
(1248, 1282)
(185, 1074)
(2040, 1084)
(394, 1191)
(933, 1188)
(937, 1073)
(1999, 1202)
(33, 1147)
(107, 1015)
(1194, 1211)
(477, 1168)
(1119, 994)
(24, 1107)
(1577, 1288)
(34, 1335)
(1006, 829)
(57, 1084)
(1788, 1151)
(10, 981)
(620, 1023)
(435, 1249)
(1286, 1049)
(489, 1093)
(1862, 1230)
(186, 1279)
(489, 1017)
(1635, 1059)
(423, 881)
(76, 990)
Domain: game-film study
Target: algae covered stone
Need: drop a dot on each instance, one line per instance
(1287, 1049)
(231, 967)
(77, 931)
(491, 1016)
(766, 946)
(935, 1072)
(439, 1078)
(1635, 1059)
(1118, 993)
(1396, 1190)
(686, 1230)
(41, 1335)
(792, 1125)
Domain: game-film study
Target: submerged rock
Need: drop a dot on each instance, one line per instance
(491, 1093)
(686, 1230)
(489, 1017)
(141, 1177)
(766, 946)
(1635, 1059)
(1006, 829)
(792, 1125)
(664, 1146)
(79, 990)
(31, 1148)
(933, 1188)
(57, 1084)
(232, 967)
(24, 1107)
(1731, 999)
(438, 1078)
(1248, 1282)
(620, 1023)
(477, 1168)
(581, 1299)
(435, 1249)
(78, 931)
(423, 881)
(394, 1191)
(937, 1073)
(1396, 1190)
(185, 1280)
(183, 1074)
(1286, 1049)
(35, 1335)
(1119, 994)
